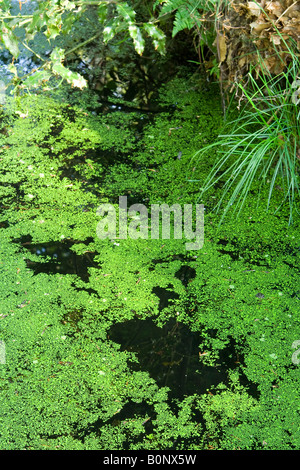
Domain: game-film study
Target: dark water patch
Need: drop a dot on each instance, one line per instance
(233, 253)
(111, 105)
(186, 274)
(72, 318)
(133, 96)
(135, 411)
(58, 258)
(170, 354)
(292, 266)
(132, 411)
(110, 157)
(105, 157)
(296, 294)
(90, 184)
(175, 256)
(132, 198)
(165, 295)
(89, 290)
(145, 414)
(4, 224)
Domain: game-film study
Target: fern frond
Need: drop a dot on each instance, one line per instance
(188, 13)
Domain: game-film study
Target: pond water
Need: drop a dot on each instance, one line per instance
(171, 355)
(119, 342)
(58, 258)
(27, 60)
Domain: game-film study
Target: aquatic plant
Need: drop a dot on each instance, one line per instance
(262, 143)
(65, 385)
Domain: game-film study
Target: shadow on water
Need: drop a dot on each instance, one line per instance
(57, 257)
(170, 354)
(165, 296)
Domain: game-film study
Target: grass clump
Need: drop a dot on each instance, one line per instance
(260, 148)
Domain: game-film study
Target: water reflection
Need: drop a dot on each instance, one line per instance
(58, 257)
(170, 354)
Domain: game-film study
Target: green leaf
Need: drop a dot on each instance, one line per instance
(57, 55)
(183, 20)
(68, 5)
(52, 31)
(138, 40)
(74, 78)
(37, 23)
(5, 5)
(12, 68)
(35, 80)
(186, 13)
(126, 12)
(158, 37)
(11, 42)
(110, 30)
(68, 23)
(102, 12)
